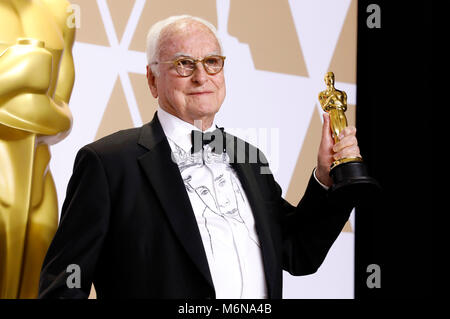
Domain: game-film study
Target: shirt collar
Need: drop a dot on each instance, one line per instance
(178, 130)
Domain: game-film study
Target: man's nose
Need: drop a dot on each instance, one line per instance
(200, 75)
(223, 202)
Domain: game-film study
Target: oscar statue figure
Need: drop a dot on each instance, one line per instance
(350, 179)
(37, 75)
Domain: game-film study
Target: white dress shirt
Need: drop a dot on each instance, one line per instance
(223, 214)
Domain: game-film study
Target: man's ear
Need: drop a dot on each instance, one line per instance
(151, 79)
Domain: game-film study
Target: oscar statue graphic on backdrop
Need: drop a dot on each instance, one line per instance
(36, 81)
(351, 182)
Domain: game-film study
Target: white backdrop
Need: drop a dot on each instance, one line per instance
(282, 105)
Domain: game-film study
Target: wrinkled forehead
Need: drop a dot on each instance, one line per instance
(189, 37)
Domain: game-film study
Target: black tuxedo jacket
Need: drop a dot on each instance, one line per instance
(127, 222)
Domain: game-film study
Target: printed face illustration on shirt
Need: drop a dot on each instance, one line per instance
(216, 196)
(221, 199)
(203, 192)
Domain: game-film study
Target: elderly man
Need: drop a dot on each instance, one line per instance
(149, 213)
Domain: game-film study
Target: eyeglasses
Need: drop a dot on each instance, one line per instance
(185, 66)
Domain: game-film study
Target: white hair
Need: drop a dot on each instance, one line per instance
(154, 34)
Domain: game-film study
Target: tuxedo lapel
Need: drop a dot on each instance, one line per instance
(167, 182)
(249, 181)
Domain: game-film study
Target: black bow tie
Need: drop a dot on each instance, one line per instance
(200, 139)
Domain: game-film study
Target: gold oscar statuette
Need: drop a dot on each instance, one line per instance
(351, 181)
(36, 80)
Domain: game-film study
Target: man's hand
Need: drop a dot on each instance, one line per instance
(330, 152)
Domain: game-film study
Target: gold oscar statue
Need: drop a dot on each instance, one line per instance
(350, 178)
(335, 103)
(36, 81)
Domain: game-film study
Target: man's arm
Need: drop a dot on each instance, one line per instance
(310, 229)
(81, 232)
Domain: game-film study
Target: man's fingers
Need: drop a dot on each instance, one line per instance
(327, 141)
(348, 144)
(347, 141)
(326, 125)
(349, 130)
(325, 154)
(352, 151)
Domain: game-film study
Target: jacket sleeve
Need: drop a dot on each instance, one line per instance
(81, 232)
(309, 229)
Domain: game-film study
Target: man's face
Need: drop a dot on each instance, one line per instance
(195, 97)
